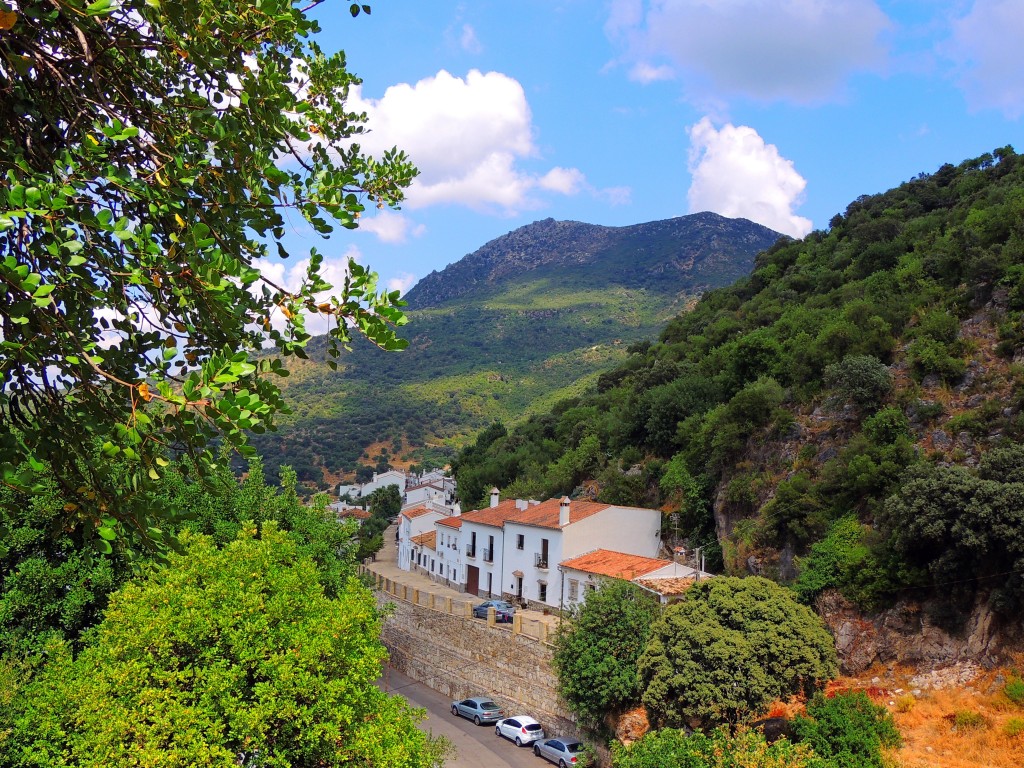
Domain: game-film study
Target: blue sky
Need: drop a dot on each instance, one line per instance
(627, 111)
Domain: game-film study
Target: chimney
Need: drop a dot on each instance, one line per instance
(563, 512)
(494, 497)
(521, 504)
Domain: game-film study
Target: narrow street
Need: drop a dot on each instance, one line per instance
(477, 746)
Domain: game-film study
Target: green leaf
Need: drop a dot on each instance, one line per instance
(107, 533)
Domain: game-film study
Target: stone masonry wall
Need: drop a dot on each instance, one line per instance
(461, 657)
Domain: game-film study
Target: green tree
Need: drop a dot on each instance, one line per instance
(848, 730)
(224, 657)
(596, 652)
(729, 647)
(144, 173)
(860, 378)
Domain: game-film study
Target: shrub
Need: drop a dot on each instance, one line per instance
(905, 703)
(1014, 727)
(728, 648)
(719, 749)
(861, 378)
(968, 720)
(848, 730)
(1014, 690)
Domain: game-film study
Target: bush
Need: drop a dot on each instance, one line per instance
(1014, 727)
(728, 648)
(671, 748)
(848, 730)
(968, 720)
(1014, 690)
(861, 378)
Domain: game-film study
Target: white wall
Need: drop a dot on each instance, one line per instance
(515, 559)
(632, 530)
(407, 529)
(492, 568)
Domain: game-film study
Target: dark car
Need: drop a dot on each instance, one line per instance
(502, 611)
(479, 709)
(563, 752)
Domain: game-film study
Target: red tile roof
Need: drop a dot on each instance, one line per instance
(546, 514)
(494, 516)
(414, 512)
(618, 565)
(452, 522)
(356, 512)
(428, 539)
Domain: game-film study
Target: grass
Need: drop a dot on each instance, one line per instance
(975, 726)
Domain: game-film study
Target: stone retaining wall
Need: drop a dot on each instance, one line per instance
(458, 656)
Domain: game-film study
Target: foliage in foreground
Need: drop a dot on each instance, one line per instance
(225, 656)
(848, 730)
(671, 747)
(145, 173)
(596, 653)
(729, 647)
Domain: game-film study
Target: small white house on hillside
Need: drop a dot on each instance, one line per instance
(412, 523)
(664, 578)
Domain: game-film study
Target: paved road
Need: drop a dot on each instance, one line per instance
(477, 746)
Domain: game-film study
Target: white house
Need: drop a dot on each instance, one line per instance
(413, 522)
(449, 551)
(436, 491)
(664, 578)
(384, 479)
(514, 548)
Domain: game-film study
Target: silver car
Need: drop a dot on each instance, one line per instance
(564, 752)
(522, 729)
(479, 709)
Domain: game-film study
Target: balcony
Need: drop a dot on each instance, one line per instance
(471, 550)
(488, 556)
(540, 560)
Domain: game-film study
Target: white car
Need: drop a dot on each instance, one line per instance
(522, 729)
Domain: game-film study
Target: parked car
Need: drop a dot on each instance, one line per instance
(522, 729)
(563, 752)
(502, 611)
(479, 709)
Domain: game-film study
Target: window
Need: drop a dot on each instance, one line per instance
(574, 590)
(542, 591)
(591, 587)
(520, 541)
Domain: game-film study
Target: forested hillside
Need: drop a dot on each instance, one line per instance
(847, 416)
(528, 319)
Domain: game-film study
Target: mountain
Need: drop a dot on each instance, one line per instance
(847, 419)
(508, 330)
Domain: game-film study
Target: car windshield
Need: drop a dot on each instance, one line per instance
(533, 727)
(574, 747)
(488, 705)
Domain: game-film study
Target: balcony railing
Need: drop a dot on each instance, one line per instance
(540, 560)
(471, 550)
(488, 556)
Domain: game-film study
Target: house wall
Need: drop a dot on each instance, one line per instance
(483, 532)
(621, 529)
(407, 528)
(514, 559)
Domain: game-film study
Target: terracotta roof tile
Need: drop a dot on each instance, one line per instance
(414, 512)
(545, 514)
(670, 586)
(618, 565)
(428, 539)
(455, 521)
(494, 516)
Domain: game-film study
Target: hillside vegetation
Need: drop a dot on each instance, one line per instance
(530, 318)
(848, 416)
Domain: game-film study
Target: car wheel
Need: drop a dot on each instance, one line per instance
(519, 742)
(476, 719)
(561, 763)
(455, 710)
(497, 730)
(536, 750)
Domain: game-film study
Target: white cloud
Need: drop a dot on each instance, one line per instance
(736, 174)
(402, 282)
(793, 50)
(466, 135)
(567, 181)
(391, 227)
(469, 41)
(616, 196)
(985, 46)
